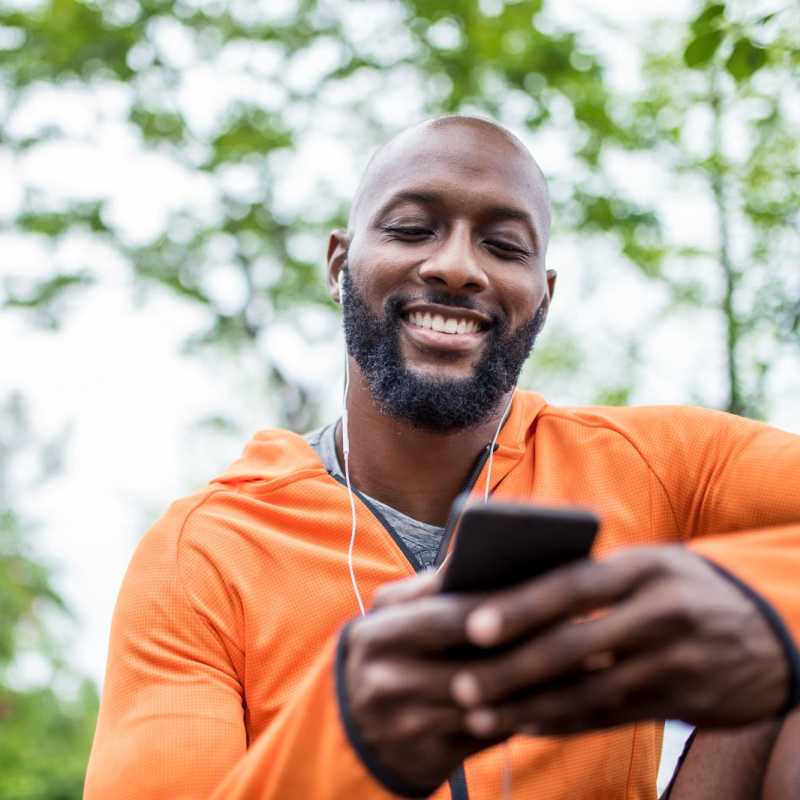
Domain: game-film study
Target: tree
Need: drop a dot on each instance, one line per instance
(736, 78)
(287, 69)
(46, 728)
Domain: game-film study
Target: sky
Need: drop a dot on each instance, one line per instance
(114, 377)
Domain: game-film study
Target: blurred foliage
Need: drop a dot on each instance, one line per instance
(478, 56)
(45, 735)
(737, 79)
(45, 742)
(492, 56)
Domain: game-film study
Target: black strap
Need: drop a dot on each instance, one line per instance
(458, 784)
(685, 752)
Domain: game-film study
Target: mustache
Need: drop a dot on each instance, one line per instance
(395, 305)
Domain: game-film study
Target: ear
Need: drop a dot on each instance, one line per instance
(337, 260)
(551, 283)
(550, 277)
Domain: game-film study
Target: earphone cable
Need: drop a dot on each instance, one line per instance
(488, 483)
(350, 496)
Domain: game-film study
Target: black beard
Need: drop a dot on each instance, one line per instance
(440, 405)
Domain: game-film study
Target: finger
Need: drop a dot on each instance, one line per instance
(393, 682)
(418, 720)
(426, 625)
(626, 692)
(425, 584)
(561, 594)
(566, 648)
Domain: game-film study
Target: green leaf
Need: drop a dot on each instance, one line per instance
(613, 396)
(250, 132)
(746, 59)
(46, 292)
(159, 126)
(708, 18)
(702, 48)
(56, 223)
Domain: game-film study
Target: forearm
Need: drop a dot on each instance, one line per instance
(725, 763)
(782, 778)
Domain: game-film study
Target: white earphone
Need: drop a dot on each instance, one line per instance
(345, 432)
(346, 454)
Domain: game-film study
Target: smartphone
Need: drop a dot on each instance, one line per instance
(501, 544)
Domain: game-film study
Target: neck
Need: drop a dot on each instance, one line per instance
(415, 471)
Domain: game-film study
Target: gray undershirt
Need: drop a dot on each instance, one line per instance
(420, 538)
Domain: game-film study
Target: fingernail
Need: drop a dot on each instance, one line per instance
(482, 722)
(466, 689)
(483, 626)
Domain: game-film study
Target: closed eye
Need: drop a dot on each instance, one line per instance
(505, 247)
(408, 231)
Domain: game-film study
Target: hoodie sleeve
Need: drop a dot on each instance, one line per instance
(172, 720)
(740, 508)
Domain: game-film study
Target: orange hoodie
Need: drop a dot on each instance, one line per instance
(222, 670)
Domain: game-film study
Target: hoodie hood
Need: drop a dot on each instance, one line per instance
(276, 455)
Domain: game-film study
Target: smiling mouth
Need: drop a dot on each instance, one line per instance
(443, 323)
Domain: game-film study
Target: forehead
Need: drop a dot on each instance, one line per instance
(470, 166)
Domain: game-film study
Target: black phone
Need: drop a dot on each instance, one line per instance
(500, 544)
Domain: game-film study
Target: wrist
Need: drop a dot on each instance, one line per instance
(788, 656)
(346, 682)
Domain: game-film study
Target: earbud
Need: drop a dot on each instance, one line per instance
(340, 283)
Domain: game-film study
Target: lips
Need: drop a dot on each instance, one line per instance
(443, 328)
(440, 315)
(443, 324)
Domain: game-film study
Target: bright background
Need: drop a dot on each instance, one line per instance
(168, 173)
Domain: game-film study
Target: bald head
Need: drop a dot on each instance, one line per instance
(465, 145)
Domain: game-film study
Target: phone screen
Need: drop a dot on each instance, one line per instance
(499, 545)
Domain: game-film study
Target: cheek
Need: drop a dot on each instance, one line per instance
(522, 296)
(379, 269)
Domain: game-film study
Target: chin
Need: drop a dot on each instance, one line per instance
(444, 365)
(442, 371)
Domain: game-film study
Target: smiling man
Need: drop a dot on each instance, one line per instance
(239, 666)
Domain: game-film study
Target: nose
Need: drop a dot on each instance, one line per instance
(454, 264)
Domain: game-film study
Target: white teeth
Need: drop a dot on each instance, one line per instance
(437, 322)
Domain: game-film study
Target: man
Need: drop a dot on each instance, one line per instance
(230, 673)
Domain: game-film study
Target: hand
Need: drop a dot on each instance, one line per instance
(399, 674)
(667, 637)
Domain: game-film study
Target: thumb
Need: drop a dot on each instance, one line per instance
(426, 583)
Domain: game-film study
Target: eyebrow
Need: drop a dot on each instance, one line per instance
(422, 198)
(434, 198)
